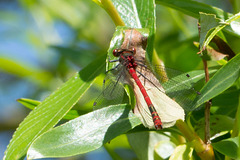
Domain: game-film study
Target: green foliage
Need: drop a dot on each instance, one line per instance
(84, 133)
(228, 147)
(39, 135)
(221, 81)
(52, 110)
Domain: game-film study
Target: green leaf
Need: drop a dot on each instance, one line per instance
(219, 124)
(228, 147)
(183, 151)
(226, 103)
(164, 149)
(135, 13)
(85, 133)
(31, 104)
(51, 110)
(221, 81)
(207, 22)
(231, 20)
(192, 8)
(143, 143)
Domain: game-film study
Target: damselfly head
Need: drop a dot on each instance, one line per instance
(116, 52)
(133, 50)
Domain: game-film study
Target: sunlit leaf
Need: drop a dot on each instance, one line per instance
(143, 143)
(164, 149)
(31, 104)
(51, 110)
(183, 151)
(85, 133)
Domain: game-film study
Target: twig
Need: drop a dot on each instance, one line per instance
(207, 108)
(204, 151)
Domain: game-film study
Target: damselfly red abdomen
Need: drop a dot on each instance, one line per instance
(126, 58)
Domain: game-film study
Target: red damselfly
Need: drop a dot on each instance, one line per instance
(153, 106)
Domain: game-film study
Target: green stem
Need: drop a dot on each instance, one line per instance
(204, 151)
(207, 108)
(111, 10)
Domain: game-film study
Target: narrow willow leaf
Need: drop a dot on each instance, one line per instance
(221, 81)
(228, 147)
(85, 133)
(51, 110)
(31, 104)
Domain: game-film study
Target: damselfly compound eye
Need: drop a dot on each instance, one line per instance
(115, 53)
(134, 50)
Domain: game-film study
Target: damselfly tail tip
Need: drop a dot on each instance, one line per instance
(158, 126)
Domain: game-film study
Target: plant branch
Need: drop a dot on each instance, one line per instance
(207, 108)
(111, 10)
(204, 151)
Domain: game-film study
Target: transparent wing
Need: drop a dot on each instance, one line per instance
(179, 86)
(168, 110)
(113, 89)
(176, 84)
(148, 78)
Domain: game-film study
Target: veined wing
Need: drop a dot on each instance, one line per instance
(113, 89)
(176, 84)
(168, 110)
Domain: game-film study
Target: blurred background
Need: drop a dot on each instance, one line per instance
(44, 42)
